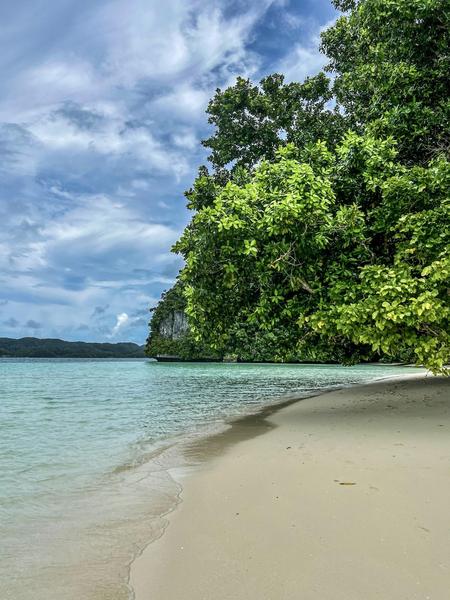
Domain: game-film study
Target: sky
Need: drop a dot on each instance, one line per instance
(101, 115)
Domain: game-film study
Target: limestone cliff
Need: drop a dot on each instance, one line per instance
(170, 338)
(174, 325)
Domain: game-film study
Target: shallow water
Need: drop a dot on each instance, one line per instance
(85, 449)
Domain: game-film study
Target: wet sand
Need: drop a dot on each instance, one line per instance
(344, 496)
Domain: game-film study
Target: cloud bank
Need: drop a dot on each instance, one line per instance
(101, 115)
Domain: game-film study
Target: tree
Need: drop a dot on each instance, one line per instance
(252, 121)
(323, 234)
(391, 62)
(291, 255)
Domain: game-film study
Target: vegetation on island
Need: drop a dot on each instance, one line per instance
(321, 229)
(30, 347)
(184, 345)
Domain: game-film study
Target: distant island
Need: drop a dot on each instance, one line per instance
(31, 347)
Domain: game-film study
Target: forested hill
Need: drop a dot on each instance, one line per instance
(30, 347)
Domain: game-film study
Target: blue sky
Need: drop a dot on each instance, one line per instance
(101, 115)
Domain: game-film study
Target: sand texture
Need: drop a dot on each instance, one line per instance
(345, 496)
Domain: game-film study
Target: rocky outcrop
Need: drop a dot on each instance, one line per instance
(174, 325)
(170, 338)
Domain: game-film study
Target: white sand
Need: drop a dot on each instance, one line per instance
(269, 519)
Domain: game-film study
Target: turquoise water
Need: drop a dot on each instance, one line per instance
(88, 450)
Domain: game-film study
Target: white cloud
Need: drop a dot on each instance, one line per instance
(305, 59)
(97, 226)
(186, 139)
(291, 20)
(61, 79)
(119, 45)
(125, 321)
(187, 101)
(301, 63)
(177, 40)
(121, 321)
(85, 253)
(103, 119)
(109, 137)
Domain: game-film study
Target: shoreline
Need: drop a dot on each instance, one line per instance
(206, 445)
(201, 510)
(92, 518)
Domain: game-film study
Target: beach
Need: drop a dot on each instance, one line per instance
(70, 526)
(343, 496)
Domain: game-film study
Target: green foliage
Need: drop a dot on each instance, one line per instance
(184, 346)
(247, 247)
(391, 62)
(347, 252)
(324, 234)
(253, 121)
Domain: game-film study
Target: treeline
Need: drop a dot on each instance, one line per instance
(30, 347)
(320, 230)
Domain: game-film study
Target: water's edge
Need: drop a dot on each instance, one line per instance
(236, 429)
(94, 457)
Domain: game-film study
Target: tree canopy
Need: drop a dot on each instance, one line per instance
(252, 121)
(323, 234)
(391, 62)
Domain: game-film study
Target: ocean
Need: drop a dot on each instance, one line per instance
(92, 451)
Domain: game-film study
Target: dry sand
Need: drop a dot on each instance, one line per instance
(345, 496)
